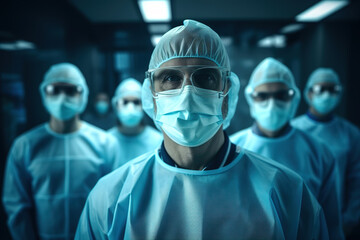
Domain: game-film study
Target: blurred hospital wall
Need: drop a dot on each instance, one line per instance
(36, 34)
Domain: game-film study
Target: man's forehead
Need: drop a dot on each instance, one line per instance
(188, 62)
(326, 83)
(61, 84)
(272, 86)
(130, 98)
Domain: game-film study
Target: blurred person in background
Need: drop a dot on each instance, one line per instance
(134, 137)
(101, 114)
(273, 98)
(51, 169)
(323, 93)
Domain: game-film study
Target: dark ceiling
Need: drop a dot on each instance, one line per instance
(118, 25)
(120, 11)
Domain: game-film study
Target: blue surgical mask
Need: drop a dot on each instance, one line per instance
(190, 118)
(102, 107)
(272, 115)
(130, 115)
(325, 102)
(63, 107)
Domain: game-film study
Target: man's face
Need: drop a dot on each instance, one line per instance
(124, 102)
(70, 90)
(63, 100)
(276, 90)
(184, 62)
(322, 87)
(271, 106)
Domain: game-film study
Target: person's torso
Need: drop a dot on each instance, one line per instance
(63, 171)
(337, 135)
(294, 150)
(158, 201)
(131, 147)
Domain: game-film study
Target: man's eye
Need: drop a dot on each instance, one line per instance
(171, 78)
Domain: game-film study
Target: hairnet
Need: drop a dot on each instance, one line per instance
(66, 73)
(128, 87)
(191, 40)
(325, 75)
(271, 70)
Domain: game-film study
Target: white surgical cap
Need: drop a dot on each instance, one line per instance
(191, 40)
(272, 71)
(129, 87)
(320, 75)
(66, 73)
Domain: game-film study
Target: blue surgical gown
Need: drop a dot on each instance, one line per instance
(307, 157)
(250, 198)
(135, 145)
(48, 177)
(343, 139)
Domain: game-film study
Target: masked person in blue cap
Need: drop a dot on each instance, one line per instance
(273, 99)
(52, 168)
(101, 114)
(134, 137)
(198, 185)
(323, 92)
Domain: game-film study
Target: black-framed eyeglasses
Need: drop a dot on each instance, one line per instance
(332, 89)
(174, 78)
(282, 95)
(69, 90)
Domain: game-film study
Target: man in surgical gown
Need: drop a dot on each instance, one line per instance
(323, 92)
(198, 185)
(273, 99)
(52, 168)
(134, 137)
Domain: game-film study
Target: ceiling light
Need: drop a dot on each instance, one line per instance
(155, 39)
(158, 28)
(292, 28)
(278, 41)
(265, 42)
(321, 10)
(21, 44)
(18, 45)
(155, 10)
(7, 46)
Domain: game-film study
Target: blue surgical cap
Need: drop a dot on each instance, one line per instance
(66, 73)
(321, 75)
(271, 70)
(129, 87)
(191, 40)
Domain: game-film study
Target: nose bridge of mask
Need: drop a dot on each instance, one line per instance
(272, 105)
(189, 100)
(326, 94)
(130, 106)
(266, 104)
(57, 98)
